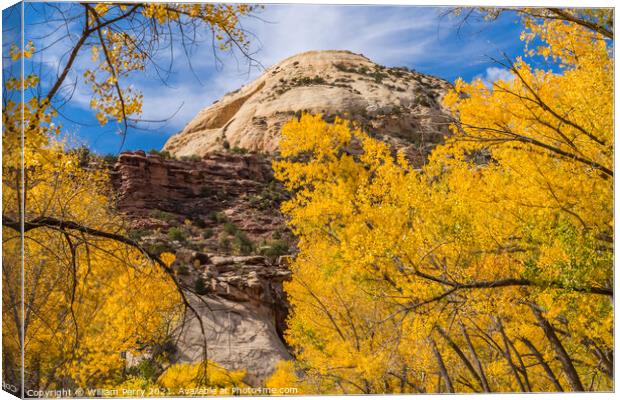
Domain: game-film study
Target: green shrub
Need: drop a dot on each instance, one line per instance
(230, 228)
(163, 215)
(176, 234)
(345, 68)
(275, 248)
(307, 81)
(137, 234)
(110, 159)
(273, 191)
(238, 150)
(215, 216)
(207, 233)
(423, 101)
(146, 369)
(163, 154)
(201, 287)
(258, 202)
(243, 244)
(224, 244)
(269, 196)
(193, 246)
(200, 223)
(193, 157)
(158, 248)
(277, 234)
(378, 76)
(206, 191)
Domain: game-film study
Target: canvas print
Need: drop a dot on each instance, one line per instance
(206, 199)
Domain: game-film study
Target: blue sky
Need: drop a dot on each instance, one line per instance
(416, 37)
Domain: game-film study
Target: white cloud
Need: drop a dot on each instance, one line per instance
(385, 35)
(394, 36)
(179, 104)
(494, 74)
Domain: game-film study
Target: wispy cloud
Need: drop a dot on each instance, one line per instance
(384, 34)
(418, 37)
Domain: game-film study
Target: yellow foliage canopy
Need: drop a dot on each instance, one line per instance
(459, 276)
(91, 294)
(88, 298)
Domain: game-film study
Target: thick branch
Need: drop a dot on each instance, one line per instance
(461, 355)
(512, 282)
(583, 22)
(442, 367)
(543, 364)
(474, 354)
(112, 70)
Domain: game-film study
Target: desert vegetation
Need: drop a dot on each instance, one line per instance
(485, 264)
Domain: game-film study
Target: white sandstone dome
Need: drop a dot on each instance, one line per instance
(400, 106)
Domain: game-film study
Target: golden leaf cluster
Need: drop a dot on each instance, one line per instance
(488, 269)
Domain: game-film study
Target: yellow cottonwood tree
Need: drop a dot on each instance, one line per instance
(120, 51)
(91, 295)
(88, 297)
(179, 378)
(488, 270)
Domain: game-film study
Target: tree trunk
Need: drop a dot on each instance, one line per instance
(472, 350)
(461, 355)
(508, 357)
(567, 363)
(442, 367)
(543, 363)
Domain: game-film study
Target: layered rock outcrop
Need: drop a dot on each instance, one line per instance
(221, 187)
(243, 308)
(211, 211)
(401, 106)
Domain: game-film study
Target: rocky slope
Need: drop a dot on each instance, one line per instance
(237, 189)
(243, 308)
(210, 197)
(400, 106)
(219, 215)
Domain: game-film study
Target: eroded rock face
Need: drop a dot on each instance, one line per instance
(239, 188)
(400, 106)
(243, 308)
(171, 205)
